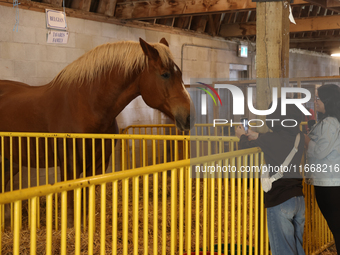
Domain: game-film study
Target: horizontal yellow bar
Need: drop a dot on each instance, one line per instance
(120, 136)
(196, 125)
(124, 130)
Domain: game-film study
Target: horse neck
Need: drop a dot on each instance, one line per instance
(114, 93)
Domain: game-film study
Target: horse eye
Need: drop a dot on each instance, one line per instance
(166, 75)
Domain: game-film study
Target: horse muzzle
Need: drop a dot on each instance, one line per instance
(186, 123)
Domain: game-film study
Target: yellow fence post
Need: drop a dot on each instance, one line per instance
(63, 222)
(16, 234)
(205, 203)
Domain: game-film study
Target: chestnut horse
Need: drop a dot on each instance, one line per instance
(87, 95)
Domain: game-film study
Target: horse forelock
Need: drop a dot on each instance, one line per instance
(127, 56)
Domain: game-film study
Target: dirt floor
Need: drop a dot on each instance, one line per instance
(330, 251)
(7, 237)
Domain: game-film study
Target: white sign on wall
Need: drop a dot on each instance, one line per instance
(242, 51)
(59, 37)
(55, 19)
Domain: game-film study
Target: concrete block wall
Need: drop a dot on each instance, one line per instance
(25, 56)
(311, 64)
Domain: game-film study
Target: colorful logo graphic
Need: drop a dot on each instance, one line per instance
(212, 89)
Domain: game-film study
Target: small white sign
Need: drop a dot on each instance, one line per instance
(59, 37)
(55, 19)
(243, 51)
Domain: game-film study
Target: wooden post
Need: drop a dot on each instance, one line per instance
(272, 52)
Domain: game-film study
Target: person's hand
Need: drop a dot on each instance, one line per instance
(240, 131)
(252, 135)
(307, 140)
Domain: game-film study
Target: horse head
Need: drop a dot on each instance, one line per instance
(161, 85)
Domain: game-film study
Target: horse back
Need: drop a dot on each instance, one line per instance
(19, 107)
(7, 86)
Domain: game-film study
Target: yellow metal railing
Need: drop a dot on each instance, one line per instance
(170, 129)
(317, 236)
(35, 157)
(184, 214)
(138, 149)
(199, 217)
(198, 129)
(164, 131)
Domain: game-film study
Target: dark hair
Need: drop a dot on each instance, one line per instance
(329, 94)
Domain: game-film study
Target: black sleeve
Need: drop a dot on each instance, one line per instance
(244, 143)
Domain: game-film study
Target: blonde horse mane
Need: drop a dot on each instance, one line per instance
(128, 56)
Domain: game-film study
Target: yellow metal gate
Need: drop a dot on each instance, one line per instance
(153, 209)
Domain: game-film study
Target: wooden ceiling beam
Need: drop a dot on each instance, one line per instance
(167, 22)
(107, 7)
(302, 45)
(171, 8)
(199, 23)
(323, 50)
(314, 11)
(182, 22)
(333, 5)
(202, 24)
(41, 7)
(252, 16)
(83, 5)
(56, 3)
(318, 23)
(213, 24)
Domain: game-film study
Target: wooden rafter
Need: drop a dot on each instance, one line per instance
(202, 24)
(41, 7)
(182, 22)
(304, 45)
(83, 5)
(317, 28)
(155, 8)
(213, 24)
(315, 10)
(199, 23)
(56, 3)
(333, 5)
(302, 25)
(252, 16)
(296, 10)
(168, 22)
(107, 7)
(305, 11)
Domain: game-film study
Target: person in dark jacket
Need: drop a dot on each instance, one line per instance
(284, 201)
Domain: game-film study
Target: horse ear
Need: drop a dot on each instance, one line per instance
(149, 51)
(163, 40)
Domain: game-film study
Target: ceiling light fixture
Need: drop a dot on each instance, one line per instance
(335, 55)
